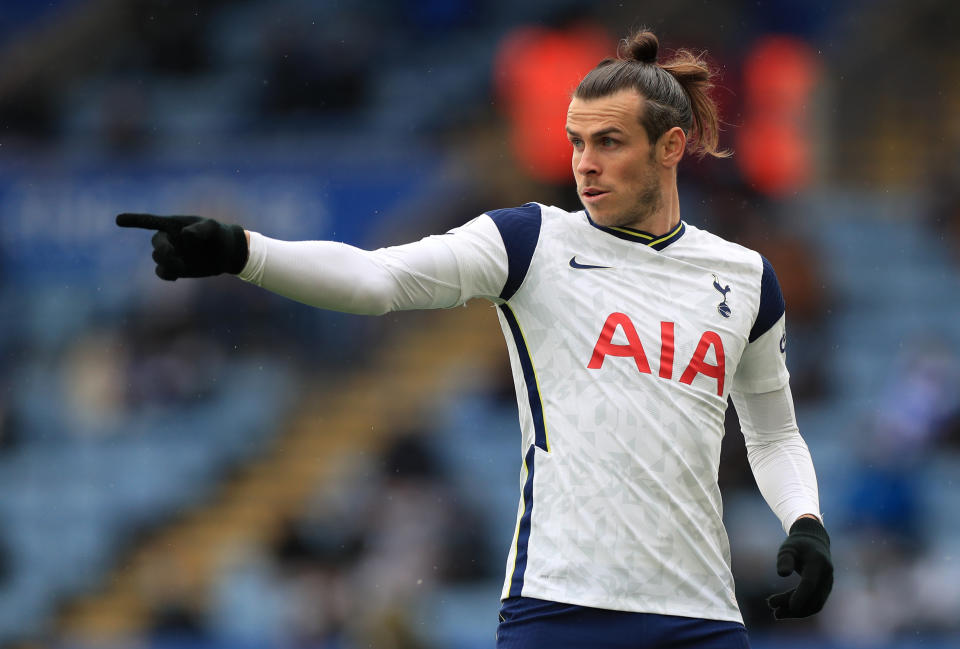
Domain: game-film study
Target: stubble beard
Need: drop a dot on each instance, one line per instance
(647, 203)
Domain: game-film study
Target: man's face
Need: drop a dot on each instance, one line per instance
(614, 165)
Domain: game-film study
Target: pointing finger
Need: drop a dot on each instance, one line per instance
(149, 222)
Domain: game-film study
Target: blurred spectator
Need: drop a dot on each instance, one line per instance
(408, 525)
(351, 570)
(919, 407)
(318, 584)
(94, 380)
(174, 622)
(170, 590)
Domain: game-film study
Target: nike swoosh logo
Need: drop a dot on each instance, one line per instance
(575, 264)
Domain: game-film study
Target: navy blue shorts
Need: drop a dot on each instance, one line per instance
(527, 623)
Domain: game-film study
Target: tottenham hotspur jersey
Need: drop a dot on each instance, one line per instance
(624, 349)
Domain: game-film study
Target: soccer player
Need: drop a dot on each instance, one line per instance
(627, 330)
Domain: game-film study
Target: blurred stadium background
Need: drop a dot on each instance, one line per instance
(203, 465)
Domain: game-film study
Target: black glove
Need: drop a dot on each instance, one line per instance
(806, 550)
(191, 246)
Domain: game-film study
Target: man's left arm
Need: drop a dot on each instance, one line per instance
(779, 457)
(783, 468)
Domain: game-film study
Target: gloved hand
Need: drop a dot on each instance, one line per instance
(191, 246)
(806, 550)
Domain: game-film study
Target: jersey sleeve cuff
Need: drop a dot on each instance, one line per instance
(798, 510)
(256, 260)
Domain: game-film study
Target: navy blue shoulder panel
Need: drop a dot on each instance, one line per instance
(772, 305)
(520, 229)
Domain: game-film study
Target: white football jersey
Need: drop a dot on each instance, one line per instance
(624, 349)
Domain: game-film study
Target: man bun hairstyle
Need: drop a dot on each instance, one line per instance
(676, 92)
(642, 47)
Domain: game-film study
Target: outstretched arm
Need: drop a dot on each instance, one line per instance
(435, 272)
(331, 275)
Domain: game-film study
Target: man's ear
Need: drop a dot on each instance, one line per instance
(670, 147)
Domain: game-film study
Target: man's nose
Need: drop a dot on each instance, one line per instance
(587, 163)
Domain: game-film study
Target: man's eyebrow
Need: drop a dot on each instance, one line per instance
(608, 131)
(601, 133)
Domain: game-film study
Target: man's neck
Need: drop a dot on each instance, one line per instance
(665, 218)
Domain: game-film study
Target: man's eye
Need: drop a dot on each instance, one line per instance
(607, 141)
(576, 142)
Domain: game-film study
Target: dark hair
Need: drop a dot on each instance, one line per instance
(676, 93)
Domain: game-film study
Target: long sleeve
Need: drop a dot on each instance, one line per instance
(778, 455)
(436, 272)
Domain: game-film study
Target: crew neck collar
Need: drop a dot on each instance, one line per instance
(657, 242)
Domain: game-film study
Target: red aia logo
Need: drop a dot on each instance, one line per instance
(697, 365)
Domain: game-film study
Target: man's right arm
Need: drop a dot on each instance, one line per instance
(436, 272)
(339, 277)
